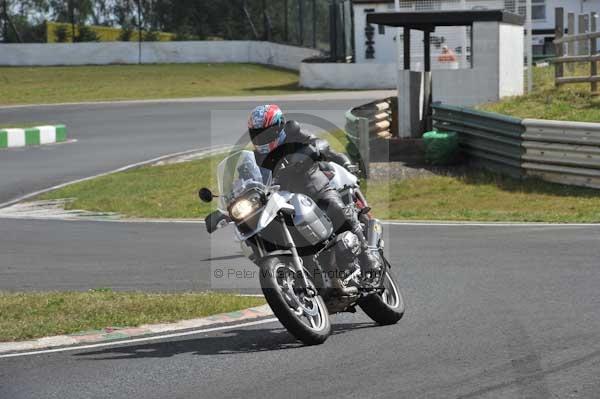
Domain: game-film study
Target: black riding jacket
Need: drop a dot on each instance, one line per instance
(297, 164)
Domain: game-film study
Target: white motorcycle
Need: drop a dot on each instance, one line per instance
(307, 271)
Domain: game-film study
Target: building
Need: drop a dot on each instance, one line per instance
(376, 44)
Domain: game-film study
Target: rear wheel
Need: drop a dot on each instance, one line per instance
(387, 307)
(304, 316)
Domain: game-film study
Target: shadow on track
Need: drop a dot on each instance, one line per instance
(225, 343)
(226, 257)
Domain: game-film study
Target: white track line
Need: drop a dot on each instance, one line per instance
(122, 169)
(136, 340)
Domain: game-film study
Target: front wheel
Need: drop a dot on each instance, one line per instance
(388, 307)
(305, 317)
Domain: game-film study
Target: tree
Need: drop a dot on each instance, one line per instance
(74, 12)
(16, 25)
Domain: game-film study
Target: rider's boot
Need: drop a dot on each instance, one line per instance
(369, 258)
(340, 289)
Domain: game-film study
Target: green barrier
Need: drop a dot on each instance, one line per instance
(441, 148)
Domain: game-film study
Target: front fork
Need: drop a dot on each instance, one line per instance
(296, 260)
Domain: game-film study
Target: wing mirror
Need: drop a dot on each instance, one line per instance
(205, 194)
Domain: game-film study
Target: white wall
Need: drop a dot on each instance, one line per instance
(511, 79)
(155, 52)
(480, 83)
(385, 49)
(347, 76)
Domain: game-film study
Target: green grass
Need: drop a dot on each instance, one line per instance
(33, 315)
(170, 192)
(28, 85)
(483, 196)
(571, 102)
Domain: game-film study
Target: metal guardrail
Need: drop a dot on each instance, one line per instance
(557, 151)
(492, 140)
(368, 122)
(562, 152)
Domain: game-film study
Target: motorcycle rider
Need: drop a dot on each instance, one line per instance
(298, 162)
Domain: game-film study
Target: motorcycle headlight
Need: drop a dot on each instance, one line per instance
(245, 206)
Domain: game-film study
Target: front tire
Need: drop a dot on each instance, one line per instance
(306, 318)
(388, 307)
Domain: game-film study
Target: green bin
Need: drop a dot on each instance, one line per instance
(441, 148)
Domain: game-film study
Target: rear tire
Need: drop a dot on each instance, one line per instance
(386, 308)
(278, 289)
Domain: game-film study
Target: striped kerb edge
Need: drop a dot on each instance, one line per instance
(32, 136)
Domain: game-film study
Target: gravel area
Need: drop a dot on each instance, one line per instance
(382, 171)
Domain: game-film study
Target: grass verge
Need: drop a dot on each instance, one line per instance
(34, 315)
(571, 102)
(29, 85)
(482, 196)
(170, 192)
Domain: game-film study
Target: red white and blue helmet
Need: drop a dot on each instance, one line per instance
(266, 128)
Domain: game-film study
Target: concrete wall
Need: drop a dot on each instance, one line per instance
(497, 68)
(385, 49)
(154, 52)
(511, 47)
(347, 76)
(480, 83)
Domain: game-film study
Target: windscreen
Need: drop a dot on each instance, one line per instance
(236, 174)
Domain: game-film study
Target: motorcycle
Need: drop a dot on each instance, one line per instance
(306, 270)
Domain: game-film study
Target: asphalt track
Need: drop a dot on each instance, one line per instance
(112, 135)
(492, 311)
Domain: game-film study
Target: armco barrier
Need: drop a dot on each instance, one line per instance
(562, 152)
(367, 122)
(557, 151)
(492, 140)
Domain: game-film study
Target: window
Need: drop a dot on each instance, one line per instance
(538, 10)
(428, 5)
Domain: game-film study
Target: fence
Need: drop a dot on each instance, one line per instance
(366, 123)
(557, 151)
(586, 48)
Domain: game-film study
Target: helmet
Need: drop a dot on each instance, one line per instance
(265, 126)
